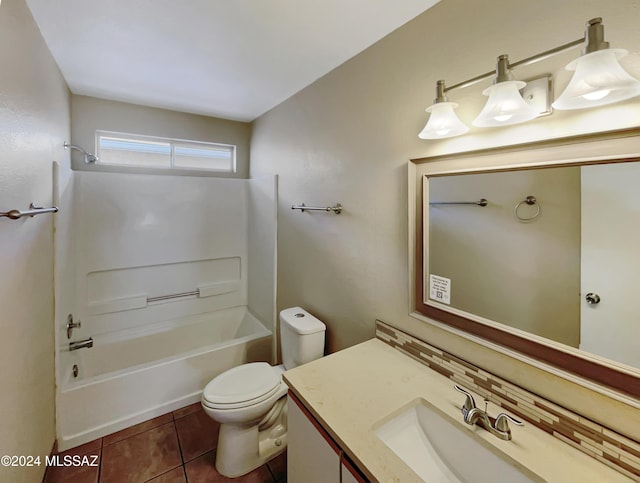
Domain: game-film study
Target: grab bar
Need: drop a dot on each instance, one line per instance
(173, 296)
(142, 301)
(337, 208)
(32, 211)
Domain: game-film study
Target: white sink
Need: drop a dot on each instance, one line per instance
(439, 450)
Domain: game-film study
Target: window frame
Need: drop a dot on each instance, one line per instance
(173, 143)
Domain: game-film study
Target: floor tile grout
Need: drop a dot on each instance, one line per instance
(132, 435)
(165, 472)
(179, 443)
(100, 469)
(101, 459)
(189, 428)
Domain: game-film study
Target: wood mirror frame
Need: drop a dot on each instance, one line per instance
(606, 147)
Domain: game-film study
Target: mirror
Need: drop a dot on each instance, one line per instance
(532, 267)
(541, 257)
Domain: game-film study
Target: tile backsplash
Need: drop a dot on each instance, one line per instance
(609, 447)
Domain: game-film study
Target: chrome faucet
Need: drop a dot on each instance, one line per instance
(498, 426)
(80, 344)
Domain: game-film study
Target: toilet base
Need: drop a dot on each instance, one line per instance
(242, 449)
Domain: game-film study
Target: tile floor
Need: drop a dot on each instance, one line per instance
(178, 447)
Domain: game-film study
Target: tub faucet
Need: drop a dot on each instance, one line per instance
(498, 426)
(80, 344)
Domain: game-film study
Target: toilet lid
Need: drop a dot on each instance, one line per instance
(244, 404)
(243, 383)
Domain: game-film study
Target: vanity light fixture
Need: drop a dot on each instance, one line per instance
(443, 122)
(598, 80)
(505, 104)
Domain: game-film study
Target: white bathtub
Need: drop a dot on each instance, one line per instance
(133, 376)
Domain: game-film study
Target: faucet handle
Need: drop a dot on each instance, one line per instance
(502, 422)
(469, 403)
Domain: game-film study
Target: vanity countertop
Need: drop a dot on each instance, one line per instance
(352, 390)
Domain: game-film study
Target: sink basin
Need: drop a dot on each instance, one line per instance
(439, 450)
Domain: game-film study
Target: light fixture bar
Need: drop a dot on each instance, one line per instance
(472, 81)
(547, 53)
(527, 61)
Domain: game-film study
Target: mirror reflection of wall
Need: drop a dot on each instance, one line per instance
(528, 275)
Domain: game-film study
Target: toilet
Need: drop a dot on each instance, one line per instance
(249, 401)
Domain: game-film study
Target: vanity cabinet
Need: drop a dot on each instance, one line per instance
(312, 454)
(350, 473)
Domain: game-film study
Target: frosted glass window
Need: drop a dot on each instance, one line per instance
(204, 156)
(134, 152)
(118, 149)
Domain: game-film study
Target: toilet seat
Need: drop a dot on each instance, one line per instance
(242, 404)
(242, 386)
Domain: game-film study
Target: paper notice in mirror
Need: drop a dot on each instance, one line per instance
(440, 289)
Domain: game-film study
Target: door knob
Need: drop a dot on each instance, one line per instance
(592, 298)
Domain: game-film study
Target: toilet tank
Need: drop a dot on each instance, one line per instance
(301, 337)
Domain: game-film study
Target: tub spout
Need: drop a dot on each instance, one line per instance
(79, 344)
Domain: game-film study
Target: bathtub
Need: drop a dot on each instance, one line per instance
(131, 376)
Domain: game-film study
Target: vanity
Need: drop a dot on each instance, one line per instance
(341, 404)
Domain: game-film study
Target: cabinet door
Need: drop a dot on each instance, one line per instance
(312, 457)
(349, 473)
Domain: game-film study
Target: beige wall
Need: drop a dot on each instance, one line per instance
(347, 138)
(525, 275)
(89, 114)
(34, 123)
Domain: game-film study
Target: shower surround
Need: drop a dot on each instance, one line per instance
(156, 269)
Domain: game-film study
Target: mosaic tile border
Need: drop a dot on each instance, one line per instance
(613, 449)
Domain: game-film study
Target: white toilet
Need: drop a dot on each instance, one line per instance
(250, 400)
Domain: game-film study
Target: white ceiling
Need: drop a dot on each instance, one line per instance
(234, 59)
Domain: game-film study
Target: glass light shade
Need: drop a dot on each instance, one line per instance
(505, 106)
(443, 122)
(598, 80)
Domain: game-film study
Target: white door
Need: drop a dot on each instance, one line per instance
(610, 262)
